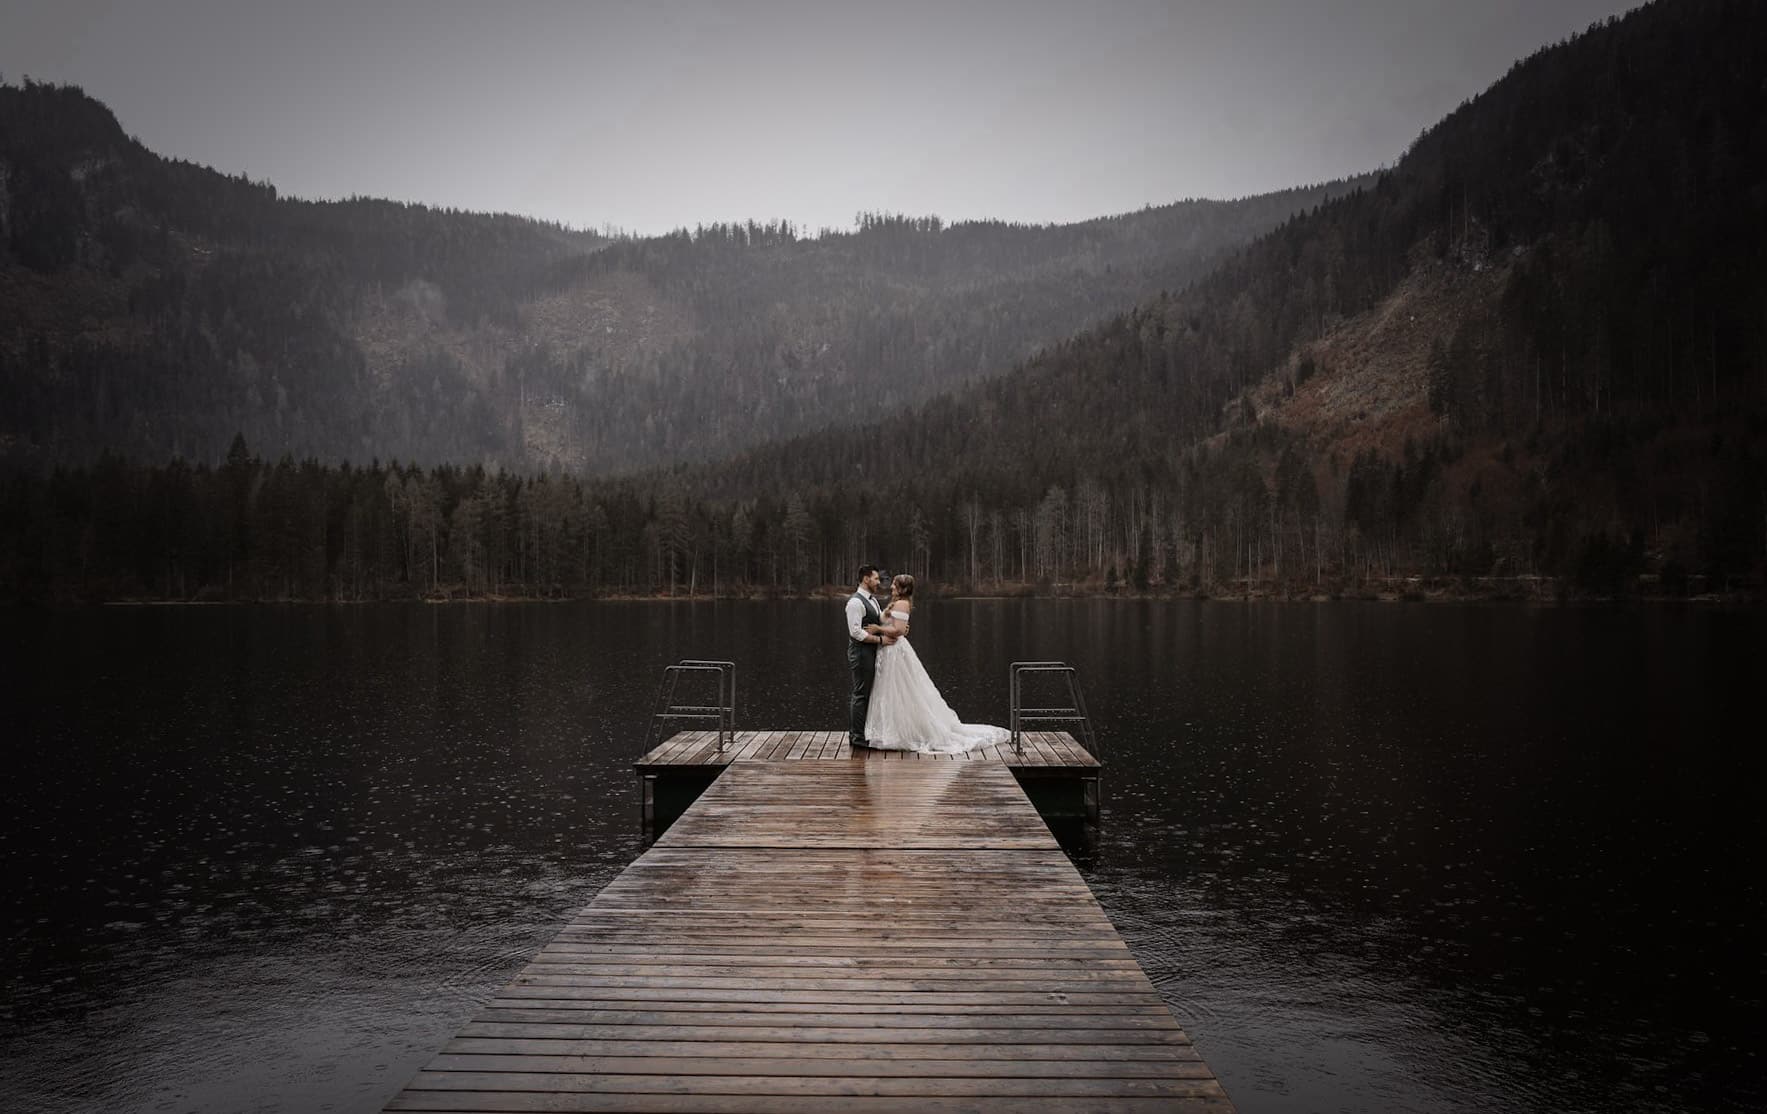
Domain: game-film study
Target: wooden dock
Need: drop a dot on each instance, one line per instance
(846, 935)
(1058, 773)
(699, 749)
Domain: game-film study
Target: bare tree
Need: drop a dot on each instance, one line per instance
(972, 521)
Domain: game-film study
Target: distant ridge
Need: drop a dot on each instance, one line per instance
(1536, 345)
(156, 308)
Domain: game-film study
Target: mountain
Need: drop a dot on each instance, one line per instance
(1535, 346)
(1533, 353)
(156, 308)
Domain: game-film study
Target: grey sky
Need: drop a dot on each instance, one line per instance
(653, 115)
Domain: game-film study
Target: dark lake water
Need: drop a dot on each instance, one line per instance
(1375, 856)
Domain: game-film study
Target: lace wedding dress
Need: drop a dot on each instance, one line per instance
(907, 712)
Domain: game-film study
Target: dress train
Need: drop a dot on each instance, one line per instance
(907, 712)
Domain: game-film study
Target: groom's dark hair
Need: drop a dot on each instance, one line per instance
(866, 570)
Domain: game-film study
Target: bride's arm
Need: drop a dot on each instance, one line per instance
(886, 630)
(894, 627)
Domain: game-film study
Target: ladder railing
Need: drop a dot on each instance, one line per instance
(1074, 713)
(723, 712)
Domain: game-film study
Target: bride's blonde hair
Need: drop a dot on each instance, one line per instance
(902, 586)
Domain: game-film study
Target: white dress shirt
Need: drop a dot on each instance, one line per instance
(856, 615)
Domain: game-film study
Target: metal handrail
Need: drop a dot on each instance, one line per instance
(728, 667)
(724, 712)
(1074, 714)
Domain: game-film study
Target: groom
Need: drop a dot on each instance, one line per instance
(862, 611)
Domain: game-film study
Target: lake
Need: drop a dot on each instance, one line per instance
(1377, 857)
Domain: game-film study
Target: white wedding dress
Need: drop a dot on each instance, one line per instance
(907, 712)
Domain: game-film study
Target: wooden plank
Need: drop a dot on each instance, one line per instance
(666, 883)
(967, 966)
(753, 743)
(746, 1081)
(814, 872)
(809, 1066)
(658, 896)
(766, 872)
(778, 743)
(1046, 863)
(671, 884)
(1148, 1018)
(1042, 985)
(781, 1104)
(1068, 751)
(689, 748)
(1100, 952)
(947, 874)
(543, 1036)
(690, 754)
(868, 1008)
(749, 742)
(658, 899)
(1060, 749)
(942, 1040)
(669, 751)
(708, 753)
(891, 933)
(1077, 753)
(659, 754)
(732, 966)
(1038, 748)
(1051, 756)
(848, 921)
(714, 911)
(840, 934)
(1107, 999)
(1051, 935)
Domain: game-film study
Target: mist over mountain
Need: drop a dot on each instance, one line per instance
(155, 308)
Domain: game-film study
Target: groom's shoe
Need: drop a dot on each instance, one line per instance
(861, 743)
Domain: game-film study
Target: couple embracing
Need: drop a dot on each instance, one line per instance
(895, 705)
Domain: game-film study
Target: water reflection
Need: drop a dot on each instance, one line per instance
(1376, 857)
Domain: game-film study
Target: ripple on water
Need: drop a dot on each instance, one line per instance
(271, 859)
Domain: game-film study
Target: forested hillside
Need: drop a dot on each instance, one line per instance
(155, 309)
(1536, 347)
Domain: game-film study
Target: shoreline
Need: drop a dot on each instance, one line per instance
(1547, 594)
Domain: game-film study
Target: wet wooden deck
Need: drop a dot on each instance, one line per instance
(1041, 749)
(846, 935)
(1063, 778)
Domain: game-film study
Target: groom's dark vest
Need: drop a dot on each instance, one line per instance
(864, 654)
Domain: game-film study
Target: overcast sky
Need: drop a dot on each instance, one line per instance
(649, 116)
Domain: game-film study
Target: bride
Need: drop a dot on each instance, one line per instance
(907, 712)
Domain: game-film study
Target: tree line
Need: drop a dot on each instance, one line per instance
(1223, 520)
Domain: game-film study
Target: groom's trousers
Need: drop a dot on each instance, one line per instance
(862, 657)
